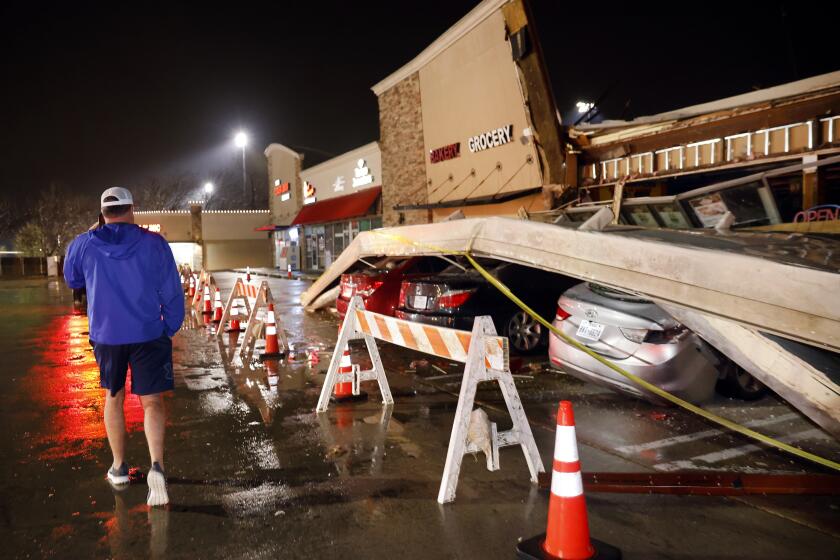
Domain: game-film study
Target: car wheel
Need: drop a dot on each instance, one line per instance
(738, 383)
(525, 334)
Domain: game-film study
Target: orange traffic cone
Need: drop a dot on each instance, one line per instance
(191, 293)
(234, 327)
(567, 531)
(219, 308)
(208, 305)
(248, 274)
(272, 345)
(343, 391)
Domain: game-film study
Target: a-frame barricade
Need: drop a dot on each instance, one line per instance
(486, 356)
(204, 279)
(240, 292)
(255, 326)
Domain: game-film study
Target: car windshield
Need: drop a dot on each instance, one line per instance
(615, 294)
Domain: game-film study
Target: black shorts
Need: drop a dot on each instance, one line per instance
(151, 366)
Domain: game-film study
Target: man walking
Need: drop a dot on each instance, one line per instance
(135, 306)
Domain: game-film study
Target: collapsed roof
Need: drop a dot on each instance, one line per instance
(744, 283)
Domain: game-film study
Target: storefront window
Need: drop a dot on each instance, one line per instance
(671, 216)
(640, 216)
(324, 243)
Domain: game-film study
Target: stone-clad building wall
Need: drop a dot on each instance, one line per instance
(403, 156)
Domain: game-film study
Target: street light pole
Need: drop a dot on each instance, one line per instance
(244, 175)
(241, 140)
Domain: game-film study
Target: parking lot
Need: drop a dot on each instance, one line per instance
(252, 467)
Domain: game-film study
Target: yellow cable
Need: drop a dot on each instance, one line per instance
(725, 422)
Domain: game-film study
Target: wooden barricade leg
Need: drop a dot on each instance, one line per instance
(478, 369)
(347, 331)
(252, 330)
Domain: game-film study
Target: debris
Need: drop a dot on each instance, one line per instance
(336, 451)
(415, 364)
(659, 416)
(279, 512)
(443, 371)
(479, 432)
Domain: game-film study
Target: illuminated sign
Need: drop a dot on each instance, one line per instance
(823, 213)
(451, 151)
(361, 175)
(339, 183)
(280, 188)
(308, 193)
(491, 139)
(151, 227)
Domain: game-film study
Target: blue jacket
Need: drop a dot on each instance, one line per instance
(133, 289)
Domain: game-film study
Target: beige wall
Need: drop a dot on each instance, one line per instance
(175, 226)
(531, 203)
(334, 177)
(219, 255)
(470, 88)
(233, 225)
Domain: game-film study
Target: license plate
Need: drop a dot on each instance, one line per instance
(420, 302)
(590, 330)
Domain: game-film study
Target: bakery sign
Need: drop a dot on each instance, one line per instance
(444, 153)
(491, 139)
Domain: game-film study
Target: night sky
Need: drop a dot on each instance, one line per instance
(111, 95)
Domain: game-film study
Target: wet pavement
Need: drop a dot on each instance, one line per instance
(255, 473)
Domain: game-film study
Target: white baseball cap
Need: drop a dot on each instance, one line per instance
(122, 195)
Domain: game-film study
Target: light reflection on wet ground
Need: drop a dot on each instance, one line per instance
(255, 473)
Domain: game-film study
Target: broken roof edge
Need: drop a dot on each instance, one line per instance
(688, 275)
(812, 85)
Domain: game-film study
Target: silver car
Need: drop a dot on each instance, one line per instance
(637, 335)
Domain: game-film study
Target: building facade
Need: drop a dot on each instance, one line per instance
(457, 130)
(316, 212)
(212, 239)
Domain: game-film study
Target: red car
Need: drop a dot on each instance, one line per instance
(380, 286)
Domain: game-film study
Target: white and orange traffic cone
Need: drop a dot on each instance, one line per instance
(218, 307)
(248, 274)
(343, 391)
(234, 327)
(272, 345)
(567, 528)
(208, 304)
(191, 293)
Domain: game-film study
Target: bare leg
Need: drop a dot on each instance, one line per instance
(154, 420)
(115, 425)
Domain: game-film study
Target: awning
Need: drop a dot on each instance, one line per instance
(479, 201)
(338, 208)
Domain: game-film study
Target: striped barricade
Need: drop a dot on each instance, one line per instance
(486, 356)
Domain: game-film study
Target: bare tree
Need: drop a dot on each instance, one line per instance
(167, 193)
(56, 219)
